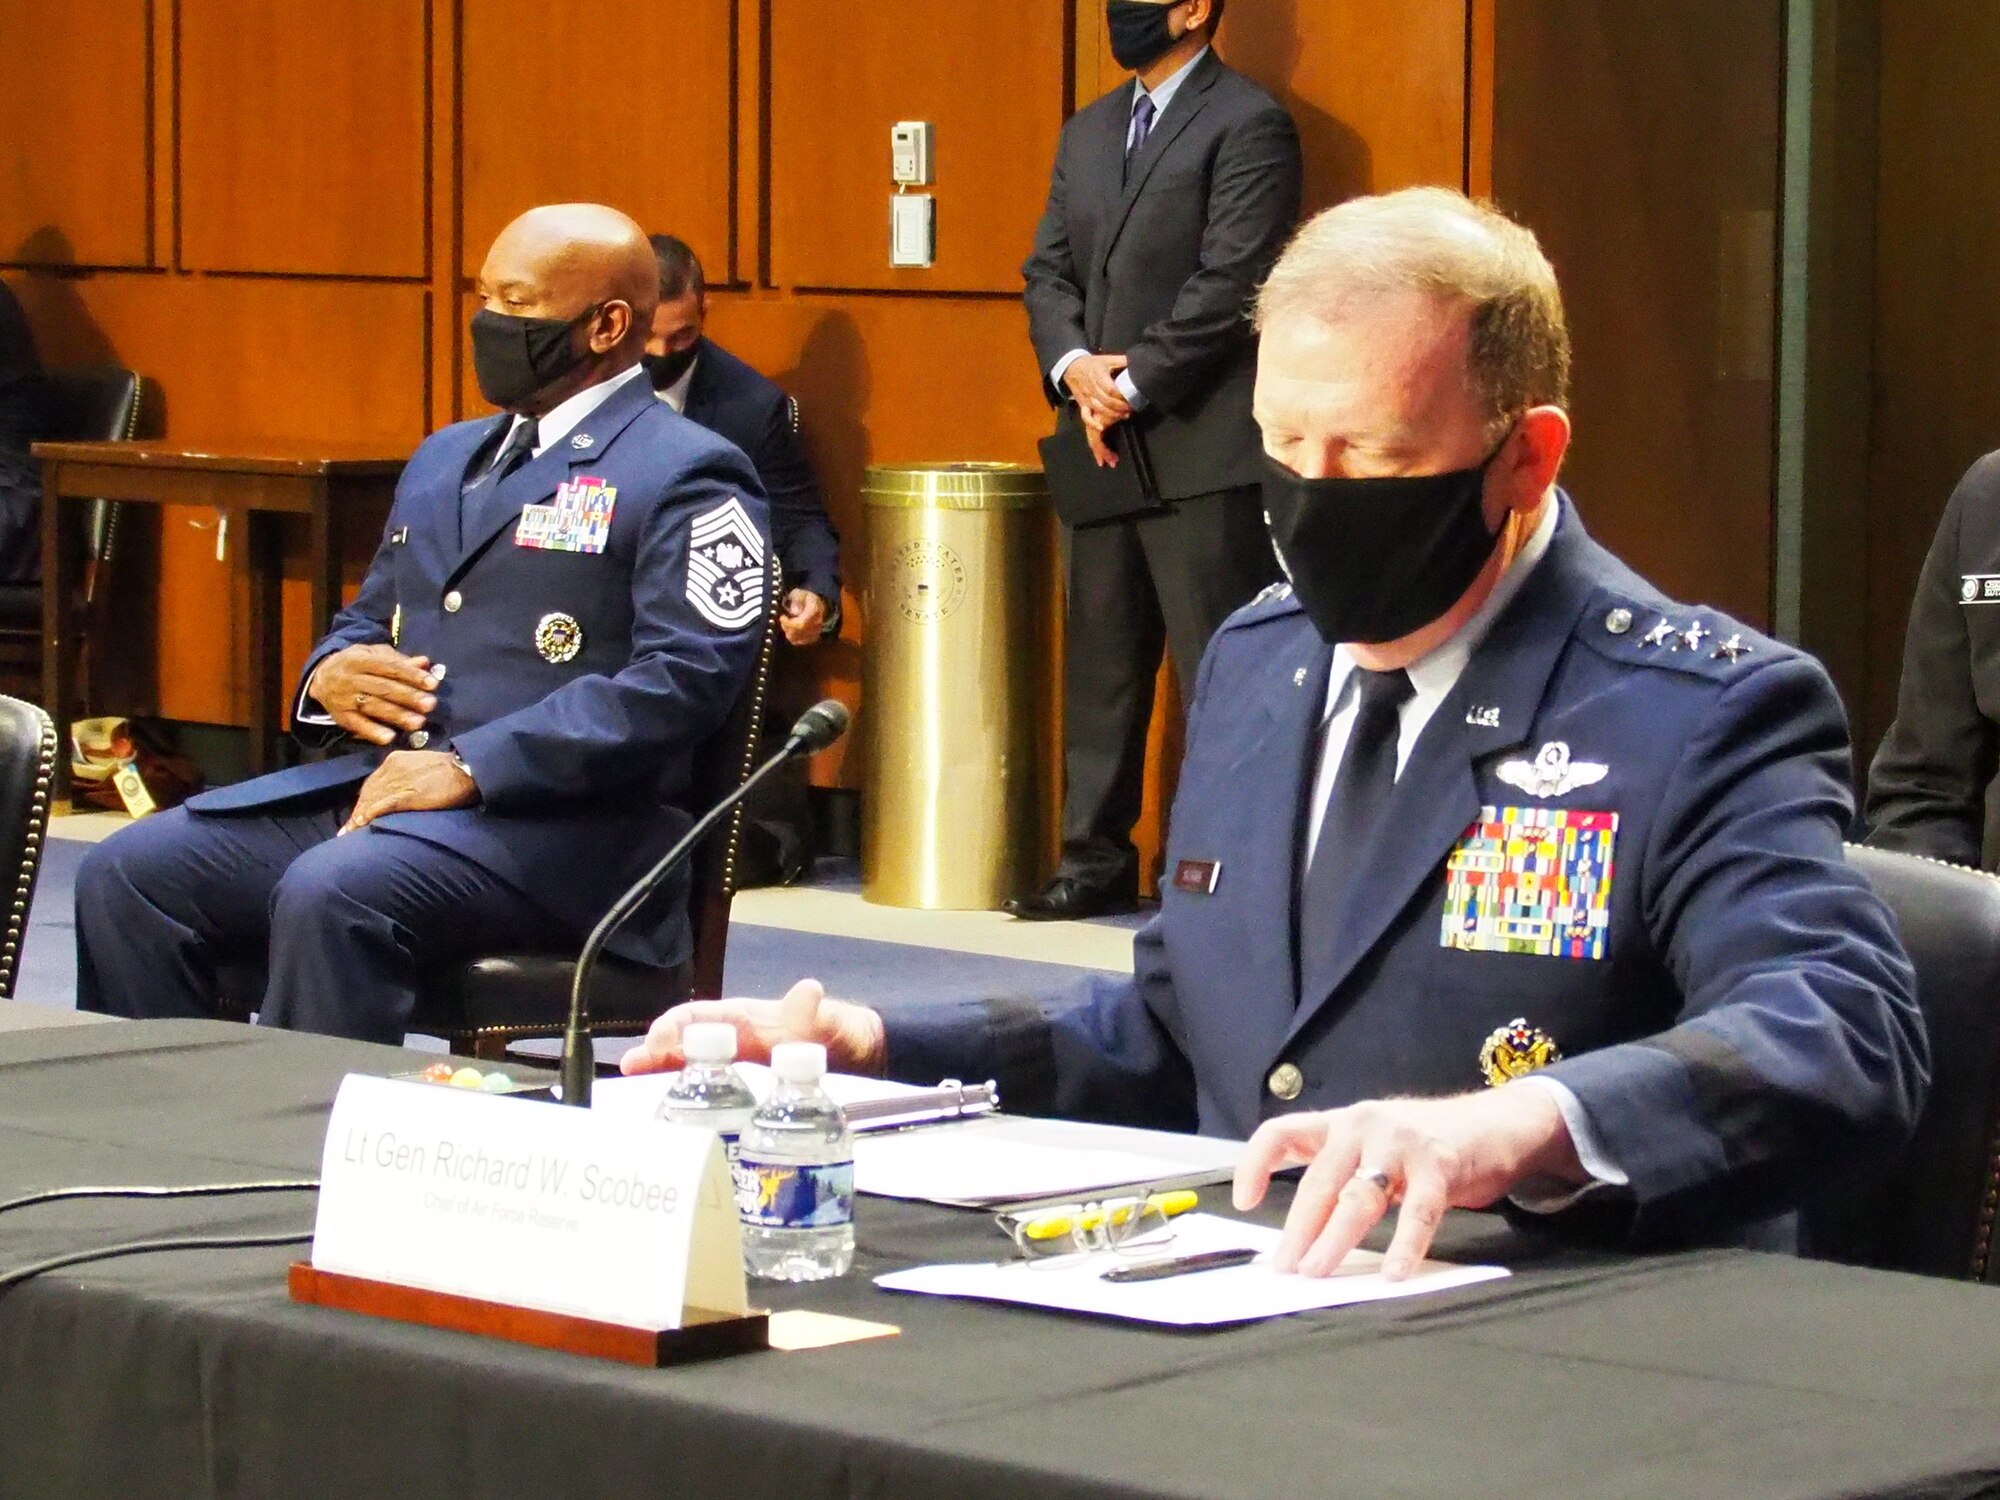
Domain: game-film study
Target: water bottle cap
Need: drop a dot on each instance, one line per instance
(709, 1042)
(799, 1062)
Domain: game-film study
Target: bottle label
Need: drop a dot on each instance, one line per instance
(793, 1195)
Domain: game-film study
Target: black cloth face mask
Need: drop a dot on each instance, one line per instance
(1372, 560)
(513, 358)
(1140, 35)
(665, 370)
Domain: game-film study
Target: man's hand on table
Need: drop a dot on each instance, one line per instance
(852, 1034)
(1463, 1152)
(412, 781)
(375, 692)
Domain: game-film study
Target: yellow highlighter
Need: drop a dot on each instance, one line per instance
(1087, 1218)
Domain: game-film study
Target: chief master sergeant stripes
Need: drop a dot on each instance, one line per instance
(566, 603)
(1460, 683)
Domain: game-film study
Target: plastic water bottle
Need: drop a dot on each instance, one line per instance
(709, 1092)
(795, 1177)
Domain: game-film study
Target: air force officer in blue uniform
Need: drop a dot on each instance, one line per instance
(567, 601)
(1493, 872)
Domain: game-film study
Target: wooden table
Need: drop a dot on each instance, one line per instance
(253, 487)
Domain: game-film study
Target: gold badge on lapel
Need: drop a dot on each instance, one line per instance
(558, 637)
(1516, 1050)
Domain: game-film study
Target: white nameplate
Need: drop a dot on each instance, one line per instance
(529, 1204)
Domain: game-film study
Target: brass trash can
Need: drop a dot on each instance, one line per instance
(957, 804)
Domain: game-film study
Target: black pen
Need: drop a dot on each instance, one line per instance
(1181, 1265)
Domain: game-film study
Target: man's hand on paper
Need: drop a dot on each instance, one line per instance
(1463, 1152)
(852, 1034)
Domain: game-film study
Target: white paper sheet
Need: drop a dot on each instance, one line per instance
(1235, 1294)
(1007, 1158)
(984, 1160)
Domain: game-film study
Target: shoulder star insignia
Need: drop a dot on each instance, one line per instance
(1659, 635)
(1731, 649)
(1552, 773)
(1692, 637)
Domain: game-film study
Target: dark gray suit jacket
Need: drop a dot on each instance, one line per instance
(1935, 785)
(1162, 267)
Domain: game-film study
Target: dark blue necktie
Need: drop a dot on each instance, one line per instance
(1142, 127)
(476, 500)
(1354, 811)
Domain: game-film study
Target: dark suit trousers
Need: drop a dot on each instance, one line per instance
(1135, 587)
(342, 929)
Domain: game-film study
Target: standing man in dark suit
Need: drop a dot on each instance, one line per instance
(1170, 201)
(567, 602)
(708, 385)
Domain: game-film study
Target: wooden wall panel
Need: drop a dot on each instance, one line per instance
(75, 104)
(303, 136)
(602, 101)
(1641, 143)
(314, 361)
(1377, 87)
(1937, 386)
(991, 84)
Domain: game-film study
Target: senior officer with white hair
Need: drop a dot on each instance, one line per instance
(1494, 873)
(567, 601)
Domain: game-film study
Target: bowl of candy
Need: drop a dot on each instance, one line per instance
(453, 1074)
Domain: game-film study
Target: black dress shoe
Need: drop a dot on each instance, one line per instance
(1067, 899)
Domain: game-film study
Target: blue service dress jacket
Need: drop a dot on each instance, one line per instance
(727, 396)
(580, 675)
(1622, 829)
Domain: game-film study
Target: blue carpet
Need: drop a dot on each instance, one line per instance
(762, 960)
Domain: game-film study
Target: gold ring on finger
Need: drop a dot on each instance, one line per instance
(360, 702)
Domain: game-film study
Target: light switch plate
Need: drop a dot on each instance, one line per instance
(912, 230)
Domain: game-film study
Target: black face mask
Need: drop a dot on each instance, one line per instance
(1372, 560)
(513, 358)
(1140, 35)
(665, 370)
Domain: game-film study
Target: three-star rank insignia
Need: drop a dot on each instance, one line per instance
(1516, 1050)
(558, 637)
(725, 572)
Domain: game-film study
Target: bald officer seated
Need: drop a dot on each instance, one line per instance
(567, 601)
(1494, 873)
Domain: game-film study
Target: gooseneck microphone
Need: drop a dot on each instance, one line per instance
(818, 727)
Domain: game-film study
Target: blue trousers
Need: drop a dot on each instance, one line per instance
(342, 930)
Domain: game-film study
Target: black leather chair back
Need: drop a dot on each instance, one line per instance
(27, 772)
(95, 403)
(1933, 1211)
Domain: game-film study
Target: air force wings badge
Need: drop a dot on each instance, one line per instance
(725, 576)
(1551, 773)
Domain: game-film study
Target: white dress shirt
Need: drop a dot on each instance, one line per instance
(1433, 677)
(676, 395)
(1162, 97)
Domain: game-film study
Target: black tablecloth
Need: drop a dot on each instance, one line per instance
(1716, 1374)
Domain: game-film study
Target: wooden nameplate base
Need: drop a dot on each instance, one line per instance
(705, 1335)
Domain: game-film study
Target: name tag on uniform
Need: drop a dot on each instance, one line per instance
(1198, 877)
(577, 520)
(1533, 880)
(1979, 588)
